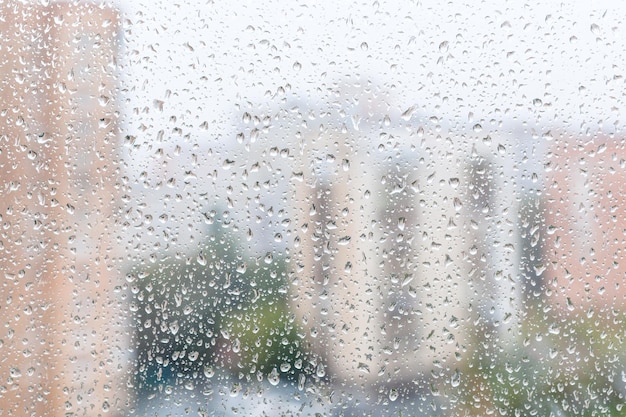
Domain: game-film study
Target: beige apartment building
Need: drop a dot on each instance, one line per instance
(62, 342)
(405, 252)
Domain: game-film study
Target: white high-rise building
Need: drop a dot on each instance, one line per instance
(405, 252)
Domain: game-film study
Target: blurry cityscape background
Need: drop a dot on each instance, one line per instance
(210, 210)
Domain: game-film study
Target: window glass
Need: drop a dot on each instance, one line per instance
(312, 208)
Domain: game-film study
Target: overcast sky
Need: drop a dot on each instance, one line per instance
(495, 59)
(192, 69)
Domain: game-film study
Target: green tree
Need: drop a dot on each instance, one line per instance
(216, 309)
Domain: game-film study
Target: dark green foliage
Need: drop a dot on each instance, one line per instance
(216, 309)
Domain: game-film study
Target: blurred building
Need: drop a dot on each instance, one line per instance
(585, 226)
(62, 344)
(406, 254)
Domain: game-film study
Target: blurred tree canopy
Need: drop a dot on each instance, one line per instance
(215, 310)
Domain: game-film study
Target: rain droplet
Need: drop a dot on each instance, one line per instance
(273, 377)
(344, 240)
(208, 371)
(363, 368)
(539, 268)
(408, 113)
(235, 389)
(393, 394)
(455, 379)
(103, 101)
(458, 205)
(554, 329)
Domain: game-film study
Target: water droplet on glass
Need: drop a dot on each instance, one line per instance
(539, 269)
(235, 389)
(455, 379)
(408, 113)
(344, 240)
(103, 101)
(273, 377)
(208, 371)
(458, 205)
(393, 394)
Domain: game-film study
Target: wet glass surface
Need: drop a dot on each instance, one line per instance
(291, 208)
